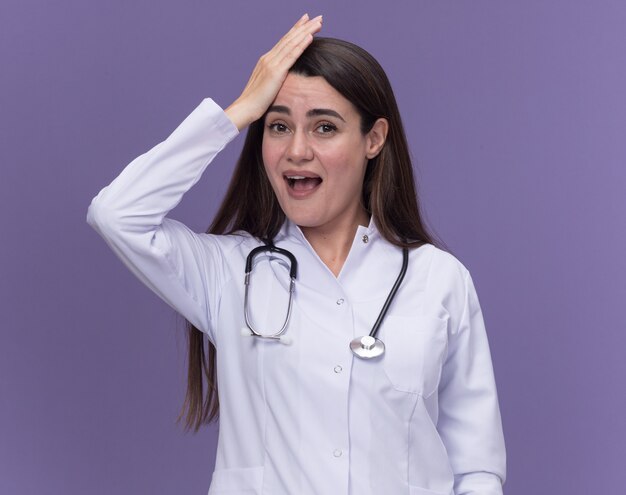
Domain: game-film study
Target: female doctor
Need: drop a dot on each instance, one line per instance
(369, 373)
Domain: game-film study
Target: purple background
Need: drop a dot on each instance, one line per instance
(516, 115)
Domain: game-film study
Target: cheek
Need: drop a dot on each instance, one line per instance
(345, 157)
(270, 155)
(348, 168)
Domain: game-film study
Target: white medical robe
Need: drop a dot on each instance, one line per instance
(310, 418)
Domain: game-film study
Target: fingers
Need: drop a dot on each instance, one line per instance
(300, 22)
(298, 45)
(271, 71)
(301, 32)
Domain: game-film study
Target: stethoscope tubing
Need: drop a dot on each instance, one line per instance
(293, 272)
(392, 293)
(366, 347)
(269, 247)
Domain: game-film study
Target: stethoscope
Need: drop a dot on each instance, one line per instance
(366, 347)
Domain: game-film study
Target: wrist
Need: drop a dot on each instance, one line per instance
(240, 114)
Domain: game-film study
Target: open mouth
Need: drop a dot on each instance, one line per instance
(300, 183)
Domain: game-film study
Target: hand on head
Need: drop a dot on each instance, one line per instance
(270, 72)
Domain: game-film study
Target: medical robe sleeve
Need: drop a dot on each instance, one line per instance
(179, 265)
(469, 416)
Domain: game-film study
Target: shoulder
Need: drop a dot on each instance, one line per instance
(445, 264)
(443, 281)
(447, 276)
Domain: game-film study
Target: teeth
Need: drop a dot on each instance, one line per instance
(296, 177)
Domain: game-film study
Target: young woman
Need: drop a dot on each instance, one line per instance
(370, 371)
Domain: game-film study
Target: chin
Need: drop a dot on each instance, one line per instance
(302, 221)
(295, 213)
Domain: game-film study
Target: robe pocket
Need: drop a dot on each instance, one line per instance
(416, 490)
(246, 481)
(414, 351)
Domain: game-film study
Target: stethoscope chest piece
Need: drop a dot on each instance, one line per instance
(367, 347)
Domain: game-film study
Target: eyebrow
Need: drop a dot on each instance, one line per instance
(315, 112)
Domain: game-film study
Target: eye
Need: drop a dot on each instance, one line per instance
(277, 127)
(326, 128)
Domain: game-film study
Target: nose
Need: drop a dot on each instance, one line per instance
(299, 148)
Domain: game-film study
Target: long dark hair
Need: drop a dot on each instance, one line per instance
(250, 205)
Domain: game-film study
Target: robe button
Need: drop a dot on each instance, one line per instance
(337, 453)
(365, 239)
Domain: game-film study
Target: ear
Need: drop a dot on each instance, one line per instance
(376, 138)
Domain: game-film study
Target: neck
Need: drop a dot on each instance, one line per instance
(332, 242)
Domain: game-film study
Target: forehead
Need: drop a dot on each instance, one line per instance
(302, 93)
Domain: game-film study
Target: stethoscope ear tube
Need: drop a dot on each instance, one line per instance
(293, 270)
(269, 247)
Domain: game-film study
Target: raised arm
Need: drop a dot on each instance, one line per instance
(130, 214)
(184, 268)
